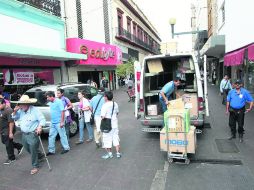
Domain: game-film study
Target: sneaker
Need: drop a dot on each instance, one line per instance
(20, 150)
(107, 156)
(118, 155)
(89, 140)
(79, 142)
(64, 151)
(98, 145)
(50, 154)
(8, 161)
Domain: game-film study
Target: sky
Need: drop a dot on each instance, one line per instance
(160, 11)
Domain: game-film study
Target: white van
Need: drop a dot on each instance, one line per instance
(158, 70)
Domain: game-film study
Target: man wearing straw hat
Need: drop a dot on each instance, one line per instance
(31, 122)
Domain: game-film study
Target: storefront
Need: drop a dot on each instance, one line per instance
(241, 62)
(102, 60)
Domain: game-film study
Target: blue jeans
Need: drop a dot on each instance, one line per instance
(53, 131)
(81, 129)
(163, 105)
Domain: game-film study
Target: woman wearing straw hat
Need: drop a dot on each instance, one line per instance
(31, 122)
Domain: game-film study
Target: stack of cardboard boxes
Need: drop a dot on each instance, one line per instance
(181, 135)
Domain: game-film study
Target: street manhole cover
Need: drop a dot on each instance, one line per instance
(226, 146)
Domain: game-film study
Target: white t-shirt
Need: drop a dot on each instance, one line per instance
(88, 113)
(106, 111)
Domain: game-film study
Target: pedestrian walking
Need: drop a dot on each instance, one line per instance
(31, 121)
(57, 124)
(104, 83)
(166, 92)
(214, 76)
(236, 101)
(110, 110)
(67, 111)
(96, 103)
(84, 118)
(225, 87)
(7, 130)
(130, 83)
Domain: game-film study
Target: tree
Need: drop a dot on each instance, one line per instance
(125, 69)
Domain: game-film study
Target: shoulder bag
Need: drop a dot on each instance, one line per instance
(92, 115)
(106, 123)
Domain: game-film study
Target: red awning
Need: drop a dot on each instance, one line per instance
(235, 58)
(251, 52)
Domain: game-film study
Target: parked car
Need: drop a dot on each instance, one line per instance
(70, 91)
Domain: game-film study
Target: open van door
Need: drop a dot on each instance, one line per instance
(137, 73)
(205, 87)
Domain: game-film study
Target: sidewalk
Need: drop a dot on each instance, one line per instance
(234, 170)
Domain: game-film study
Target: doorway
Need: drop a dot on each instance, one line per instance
(84, 76)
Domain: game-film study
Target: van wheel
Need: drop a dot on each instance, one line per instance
(73, 128)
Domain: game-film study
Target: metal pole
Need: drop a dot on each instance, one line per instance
(50, 169)
(205, 87)
(172, 30)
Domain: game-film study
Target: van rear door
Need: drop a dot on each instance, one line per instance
(138, 87)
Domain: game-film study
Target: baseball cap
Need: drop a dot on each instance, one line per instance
(238, 81)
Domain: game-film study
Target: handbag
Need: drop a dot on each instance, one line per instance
(106, 123)
(92, 115)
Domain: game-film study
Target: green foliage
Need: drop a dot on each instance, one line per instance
(125, 68)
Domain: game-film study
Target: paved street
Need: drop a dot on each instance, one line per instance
(142, 166)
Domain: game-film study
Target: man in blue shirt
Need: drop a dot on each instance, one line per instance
(236, 101)
(225, 87)
(96, 104)
(166, 92)
(30, 120)
(57, 124)
(67, 113)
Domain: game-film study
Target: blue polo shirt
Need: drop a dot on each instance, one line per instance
(94, 101)
(168, 89)
(238, 101)
(56, 109)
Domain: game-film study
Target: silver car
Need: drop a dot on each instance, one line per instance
(70, 91)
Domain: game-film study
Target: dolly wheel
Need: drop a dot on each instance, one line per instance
(187, 161)
(170, 160)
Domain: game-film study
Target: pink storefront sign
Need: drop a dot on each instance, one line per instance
(9, 61)
(234, 58)
(97, 53)
(18, 77)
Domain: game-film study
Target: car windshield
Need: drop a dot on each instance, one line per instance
(40, 96)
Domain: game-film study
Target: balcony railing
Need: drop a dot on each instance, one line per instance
(51, 6)
(124, 34)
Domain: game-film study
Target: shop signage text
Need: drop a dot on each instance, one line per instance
(18, 77)
(100, 53)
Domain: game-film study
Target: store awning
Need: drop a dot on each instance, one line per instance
(29, 52)
(251, 52)
(215, 46)
(234, 58)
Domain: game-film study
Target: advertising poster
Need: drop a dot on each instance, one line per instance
(18, 77)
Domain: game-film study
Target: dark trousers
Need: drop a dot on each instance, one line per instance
(10, 145)
(224, 96)
(236, 116)
(31, 144)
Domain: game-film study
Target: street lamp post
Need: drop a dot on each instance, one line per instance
(172, 22)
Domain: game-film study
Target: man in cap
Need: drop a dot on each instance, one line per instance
(166, 92)
(7, 129)
(31, 121)
(96, 103)
(236, 101)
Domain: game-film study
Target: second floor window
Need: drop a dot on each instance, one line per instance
(129, 24)
(120, 19)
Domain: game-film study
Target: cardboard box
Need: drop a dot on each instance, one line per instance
(152, 109)
(154, 66)
(179, 142)
(176, 104)
(191, 102)
(177, 120)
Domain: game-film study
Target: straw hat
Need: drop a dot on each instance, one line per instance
(25, 100)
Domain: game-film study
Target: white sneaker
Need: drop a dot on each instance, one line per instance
(118, 155)
(107, 156)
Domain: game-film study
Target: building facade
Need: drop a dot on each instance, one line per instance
(32, 44)
(116, 22)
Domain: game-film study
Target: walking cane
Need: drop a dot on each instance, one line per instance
(50, 169)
